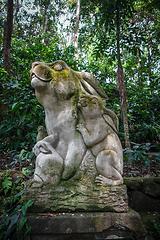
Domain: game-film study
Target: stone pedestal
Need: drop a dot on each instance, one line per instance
(90, 226)
(79, 210)
(76, 196)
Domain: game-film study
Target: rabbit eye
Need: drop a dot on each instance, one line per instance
(58, 67)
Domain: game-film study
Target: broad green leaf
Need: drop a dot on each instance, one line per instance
(15, 106)
(22, 222)
(30, 202)
(28, 230)
(24, 209)
(147, 162)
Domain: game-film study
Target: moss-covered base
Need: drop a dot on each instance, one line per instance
(76, 196)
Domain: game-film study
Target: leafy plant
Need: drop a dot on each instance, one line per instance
(13, 181)
(6, 181)
(12, 186)
(25, 159)
(11, 219)
(14, 216)
(156, 226)
(139, 152)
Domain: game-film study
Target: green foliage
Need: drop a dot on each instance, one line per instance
(139, 55)
(24, 159)
(12, 189)
(19, 129)
(12, 181)
(7, 184)
(11, 219)
(139, 43)
(139, 152)
(156, 226)
(12, 186)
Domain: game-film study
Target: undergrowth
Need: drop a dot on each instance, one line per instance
(13, 211)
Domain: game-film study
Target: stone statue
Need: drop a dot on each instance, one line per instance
(98, 128)
(77, 122)
(79, 160)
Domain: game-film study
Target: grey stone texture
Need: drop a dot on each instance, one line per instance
(94, 225)
(75, 196)
(143, 194)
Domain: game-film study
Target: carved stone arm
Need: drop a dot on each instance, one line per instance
(46, 145)
(91, 138)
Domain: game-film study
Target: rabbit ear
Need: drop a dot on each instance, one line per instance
(111, 118)
(92, 85)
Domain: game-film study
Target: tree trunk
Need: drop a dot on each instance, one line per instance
(137, 46)
(45, 19)
(44, 26)
(122, 86)
(7, 37)
(8, 24)
(16, 10)
(76, 30)
(149, 48)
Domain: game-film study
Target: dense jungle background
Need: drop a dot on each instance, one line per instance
(118, 41)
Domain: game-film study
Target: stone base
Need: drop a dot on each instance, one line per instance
(90, 226)
(76, 196)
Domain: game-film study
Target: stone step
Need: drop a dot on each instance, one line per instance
(83, 225)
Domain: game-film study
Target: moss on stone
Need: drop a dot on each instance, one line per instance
(147, 221)
(137, 182)
(74, 196)
(133, 183)
(156, 179)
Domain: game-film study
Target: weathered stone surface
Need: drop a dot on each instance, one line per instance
(143, 193)
(73, 196)
(132, 183)
(151, 188)
(140, 202)
(82, 225)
